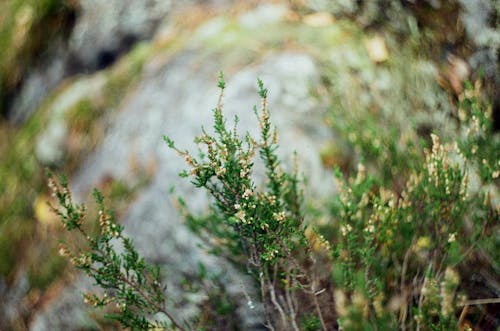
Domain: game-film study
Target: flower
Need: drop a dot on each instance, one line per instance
(452, 237)
(248, 193)
(345, 229)
(241, 216)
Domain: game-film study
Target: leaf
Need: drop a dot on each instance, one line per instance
(320, 19)
(42, 211)
(377, 49)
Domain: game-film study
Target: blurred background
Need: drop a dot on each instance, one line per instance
(88, 88)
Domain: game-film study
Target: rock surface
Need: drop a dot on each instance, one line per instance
(104, 31)
(173, 93)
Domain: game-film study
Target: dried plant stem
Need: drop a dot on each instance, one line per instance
(291, 305)
(318, 308)
(157, 307)
(420, 302)
(276, 304)
(404, 309)
(264, 301)
(481, 302)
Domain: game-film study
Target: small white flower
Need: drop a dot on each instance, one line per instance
(250, 304)
(241, 216)
(221, 171)
(452, 237)
(345, 229)
(248, 193)
(370, 228)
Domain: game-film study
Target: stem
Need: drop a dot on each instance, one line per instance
(481, 302)
(277, 305)
(291, 306)
(157, 307)
(318, 308)
(462, 315)
(404, 309)
(263, 294)
(420, 302)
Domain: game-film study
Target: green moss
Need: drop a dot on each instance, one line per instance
(41, 275)
(82, 114)
(26, 29)
(22, 177)
(20, 181)
(126, 73)
(12, 239)
(280, 35)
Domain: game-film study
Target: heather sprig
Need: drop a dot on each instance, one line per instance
(128, 282)
(266, 223)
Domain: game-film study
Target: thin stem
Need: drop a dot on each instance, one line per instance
(421, 301)
(404, 309)
(157, 307)
(318, 310)
(481, 302)
(277, 305)
(291, 307)
(138, 289)
(463, 314)
(263, 294)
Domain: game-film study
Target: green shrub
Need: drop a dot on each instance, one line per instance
(389, 257)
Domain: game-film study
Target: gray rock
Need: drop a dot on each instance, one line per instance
(50, 143)
(264, 14)
(12, 298)
(476, 16)
(68, 312)
(38, 83)
(49, 147)
(104, 30)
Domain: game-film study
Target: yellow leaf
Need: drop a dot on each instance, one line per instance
(317, 20)
(377, 50)
(42, 211)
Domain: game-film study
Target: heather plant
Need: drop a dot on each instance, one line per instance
(390, 248)
(390, 255)
(477, 142)
(262, 227)
(396, 252)
(127, 281)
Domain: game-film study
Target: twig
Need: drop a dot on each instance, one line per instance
(404, 310)
(462, 315)
(480, 302)
(291, 307)
(277, 305)
(264, 303)
(420, 302)
(316, 304)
